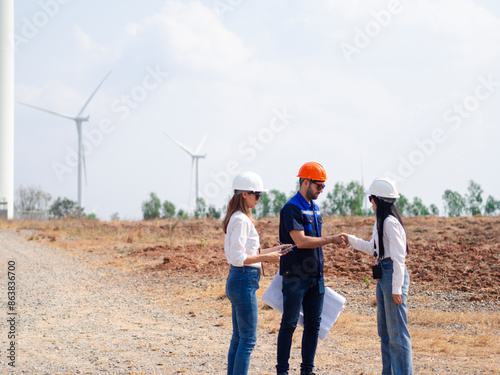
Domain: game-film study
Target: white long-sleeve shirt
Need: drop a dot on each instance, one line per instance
(241, 240)
(394, 248)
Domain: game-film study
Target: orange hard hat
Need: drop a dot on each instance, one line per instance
(312, 170)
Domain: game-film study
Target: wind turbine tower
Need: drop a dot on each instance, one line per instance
(365, 210)
(195, 156)
(79, 119)
(7, 108)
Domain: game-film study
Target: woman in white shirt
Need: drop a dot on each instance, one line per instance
(389, 245)
(243, 253)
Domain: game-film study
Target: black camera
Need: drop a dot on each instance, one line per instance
(377, 271)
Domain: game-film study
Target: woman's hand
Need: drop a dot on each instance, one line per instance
(273, 257)
(277, 248)
(344, 239)
(341, 239)
(274, 254)
(397, 299)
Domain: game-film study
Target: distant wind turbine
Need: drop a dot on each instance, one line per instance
(363, 185)
(195, 156)
(79, 119)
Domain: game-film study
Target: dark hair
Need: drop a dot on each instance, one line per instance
(384, 209)
(237, 203)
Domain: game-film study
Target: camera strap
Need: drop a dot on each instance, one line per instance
(375, 253)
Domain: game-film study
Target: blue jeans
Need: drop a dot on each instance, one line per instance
(393, 324)
(308, 293)
(241, 285)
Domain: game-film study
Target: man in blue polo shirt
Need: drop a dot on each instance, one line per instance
(302, 268)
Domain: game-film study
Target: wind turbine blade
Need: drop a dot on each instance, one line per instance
(181, 145)
(46, 110)
(91, 96)
(201, 144)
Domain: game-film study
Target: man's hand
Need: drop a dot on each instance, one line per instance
(341, 240)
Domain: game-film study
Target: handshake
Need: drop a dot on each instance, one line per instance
(340, 239)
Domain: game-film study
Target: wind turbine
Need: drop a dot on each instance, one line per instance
(363, 185)
(79, 119)
(195, 156)
(7, 108)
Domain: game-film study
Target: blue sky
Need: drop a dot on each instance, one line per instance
(407, 89)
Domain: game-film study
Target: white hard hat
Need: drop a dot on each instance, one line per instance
(248, 181)
(384, 188)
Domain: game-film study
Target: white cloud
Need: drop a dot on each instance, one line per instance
(360, 94)
(351, 10)
(195, 36)
(474, 31)
(229, 76)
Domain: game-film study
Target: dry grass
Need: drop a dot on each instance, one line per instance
(462, 342)
(461, 334)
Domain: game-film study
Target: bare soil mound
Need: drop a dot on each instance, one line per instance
(445, 253)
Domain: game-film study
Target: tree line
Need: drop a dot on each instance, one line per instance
(345, 199)
(152, 208)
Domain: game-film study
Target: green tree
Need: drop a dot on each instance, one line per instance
(474, 199)
(201, 208)
(335, 201)
(492, 206)
(417, 208)
(182, 215)
(434, 209)
(454, 203)
(345, 199)
(168, 209)
(279, 199)
(114, 216)
(264, 207)
(65, 208)
(403, 205)
(355, 198)
(151, 207)
(213, 212)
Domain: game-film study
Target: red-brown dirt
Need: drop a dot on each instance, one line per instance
(445, 253)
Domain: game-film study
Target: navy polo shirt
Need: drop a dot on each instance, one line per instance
(298, 214)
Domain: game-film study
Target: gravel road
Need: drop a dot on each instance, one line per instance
(78, 314)
(75, 317)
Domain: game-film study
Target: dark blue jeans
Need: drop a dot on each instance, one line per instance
(308, 293)
(392, 324)
(241, 285)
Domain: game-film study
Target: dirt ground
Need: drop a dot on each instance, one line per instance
(445, 253)
(148, 298)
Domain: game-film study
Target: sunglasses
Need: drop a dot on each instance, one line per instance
(320, 186)
(257, 194)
